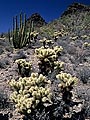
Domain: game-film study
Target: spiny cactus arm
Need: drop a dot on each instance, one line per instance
(16, 23)
(32, 26)
(21, 23)
(13, 36)
(9, 36)
(59, 65)
(25, 20)
(58, 49)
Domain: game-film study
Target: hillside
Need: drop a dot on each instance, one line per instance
(72, 32)
(37, 20)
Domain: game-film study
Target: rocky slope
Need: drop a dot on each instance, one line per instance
(75, 40)
(76, 7)
(38, 21)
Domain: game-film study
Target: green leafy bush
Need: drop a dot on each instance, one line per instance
(31, 92)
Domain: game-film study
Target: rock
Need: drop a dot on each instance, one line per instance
(19, 55)
(37, 20)
(76, 7)
(3, 63)
(1, 51)
(4, 116)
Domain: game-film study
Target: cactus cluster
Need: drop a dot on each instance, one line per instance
(58, 49)
(74, 38)
(24, 67)
(29, 92)
(34, 35)
(85, 37)
(58, 34)
(86, 44)
(19, 35)
(67, 82)
(45, 42)
(47, 58)
(59, 65)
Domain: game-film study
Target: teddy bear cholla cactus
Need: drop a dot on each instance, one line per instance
(58, 49)
(44, 53)
(47, 58)
(59, 65)
(24, 67)
(45, 42)
(67, 82)
(34, 35)
(72, 105)
(58, 34)
(30, 92)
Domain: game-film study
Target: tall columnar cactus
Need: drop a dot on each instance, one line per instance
(19, 33)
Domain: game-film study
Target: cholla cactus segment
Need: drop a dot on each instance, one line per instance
(66, 80)
(46, 41)
(19, 61)
(31, 91)
(86, 44)
(58, 49)
(59, 65)
(34, 34)
(43, 40)
(45, 53)
(58, 34)
(24, 66)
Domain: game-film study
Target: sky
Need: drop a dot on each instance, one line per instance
(48, 9)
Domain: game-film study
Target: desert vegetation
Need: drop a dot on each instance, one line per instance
(45, 72)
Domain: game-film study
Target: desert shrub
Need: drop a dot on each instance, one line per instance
(47, 58)
(24, 67)
(31, 92)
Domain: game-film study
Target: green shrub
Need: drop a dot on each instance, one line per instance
(31, 92)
